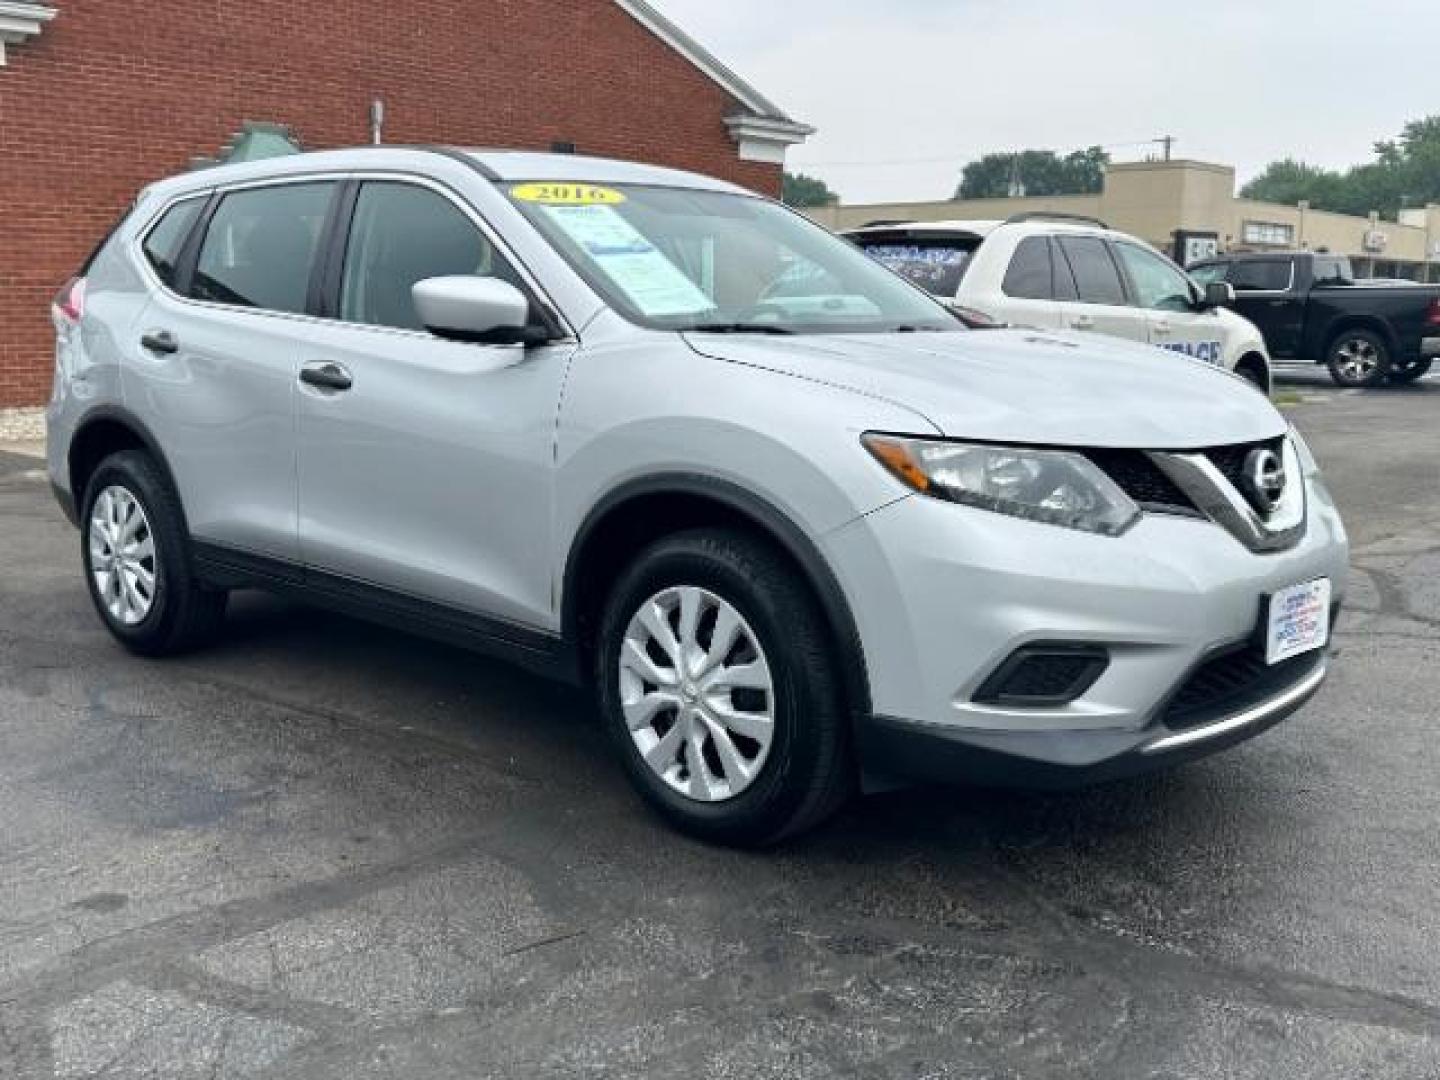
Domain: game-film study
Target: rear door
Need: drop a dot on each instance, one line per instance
(1266, 294)
(1101, 303)
(1169, 302)
(215, 381)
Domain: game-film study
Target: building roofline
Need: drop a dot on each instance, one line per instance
(708, 63)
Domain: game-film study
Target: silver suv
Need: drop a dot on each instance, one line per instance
(800, 530)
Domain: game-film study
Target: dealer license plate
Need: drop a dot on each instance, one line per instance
(1298, 620)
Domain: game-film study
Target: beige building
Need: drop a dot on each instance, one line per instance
(1166, 201)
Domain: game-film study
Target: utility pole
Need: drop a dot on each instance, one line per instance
(1166, 141)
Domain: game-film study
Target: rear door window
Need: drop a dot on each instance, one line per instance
(1261, 275)
(168, 235)
(261, 246)
(1097, 279)
(937, 266)
(1031, 273)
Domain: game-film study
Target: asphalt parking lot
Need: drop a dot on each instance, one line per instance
(327, 850)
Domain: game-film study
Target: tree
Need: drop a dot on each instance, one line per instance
(1405, 172)
(802, 190)
(1034, 172)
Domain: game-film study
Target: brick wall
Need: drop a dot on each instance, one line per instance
(114, 94)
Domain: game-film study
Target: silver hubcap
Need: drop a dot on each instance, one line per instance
(1357, 359)
(697, 693)
(122, 556)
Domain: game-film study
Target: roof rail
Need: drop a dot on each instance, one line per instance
(1055, 215)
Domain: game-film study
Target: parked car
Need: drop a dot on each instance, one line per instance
(797, 527)
(1060, 272)
(1310, 307)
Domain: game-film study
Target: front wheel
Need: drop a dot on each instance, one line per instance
(1411, 370)
(1358, 359)
(137, 560)
(718, 686)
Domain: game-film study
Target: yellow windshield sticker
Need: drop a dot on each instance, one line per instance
(551, 194)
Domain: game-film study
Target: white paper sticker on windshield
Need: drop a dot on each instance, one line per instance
(655, 284)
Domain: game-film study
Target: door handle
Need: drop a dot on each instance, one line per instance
(160, 341)
(1083, 322)
(326, 376)
(1163, 328)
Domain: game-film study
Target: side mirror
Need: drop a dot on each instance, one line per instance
(479, 309)
(1218, 294)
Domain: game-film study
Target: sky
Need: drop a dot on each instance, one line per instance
(905, 92)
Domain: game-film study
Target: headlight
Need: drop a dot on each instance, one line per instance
(1053, 486)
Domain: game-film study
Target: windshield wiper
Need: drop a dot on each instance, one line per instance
(737, 328)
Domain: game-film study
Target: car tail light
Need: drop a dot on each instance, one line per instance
(1432, 316)
(70, 300)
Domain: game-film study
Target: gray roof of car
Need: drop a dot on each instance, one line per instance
(497, 165)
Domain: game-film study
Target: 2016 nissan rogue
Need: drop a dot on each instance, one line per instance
(798, 527)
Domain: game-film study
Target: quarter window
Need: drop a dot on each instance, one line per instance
(1159, 285)
(1030, 275)
(1260, 275)
(163, 243)
(1097, 280)
(403, 233)
(260, 247)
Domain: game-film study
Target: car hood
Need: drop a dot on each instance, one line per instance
(1025, 386)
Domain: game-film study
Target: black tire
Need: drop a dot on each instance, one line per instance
(182, 615)
(1411, 370)
(1348, 344)
(808, 773)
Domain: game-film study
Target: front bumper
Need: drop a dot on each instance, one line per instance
(944, 594)
(1048, 761)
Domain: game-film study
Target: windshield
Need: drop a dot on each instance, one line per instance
(680, 259)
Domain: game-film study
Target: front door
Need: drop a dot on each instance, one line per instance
(1169, 302)
(431, 474)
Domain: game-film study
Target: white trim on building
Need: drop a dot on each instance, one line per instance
(763, 131)
(20, 21)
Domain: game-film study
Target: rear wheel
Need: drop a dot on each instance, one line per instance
(719, 689)
(1358, 358)
(137, 560)
(1411, 370)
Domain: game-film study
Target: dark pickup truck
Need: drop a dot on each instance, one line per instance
(1310, 307)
